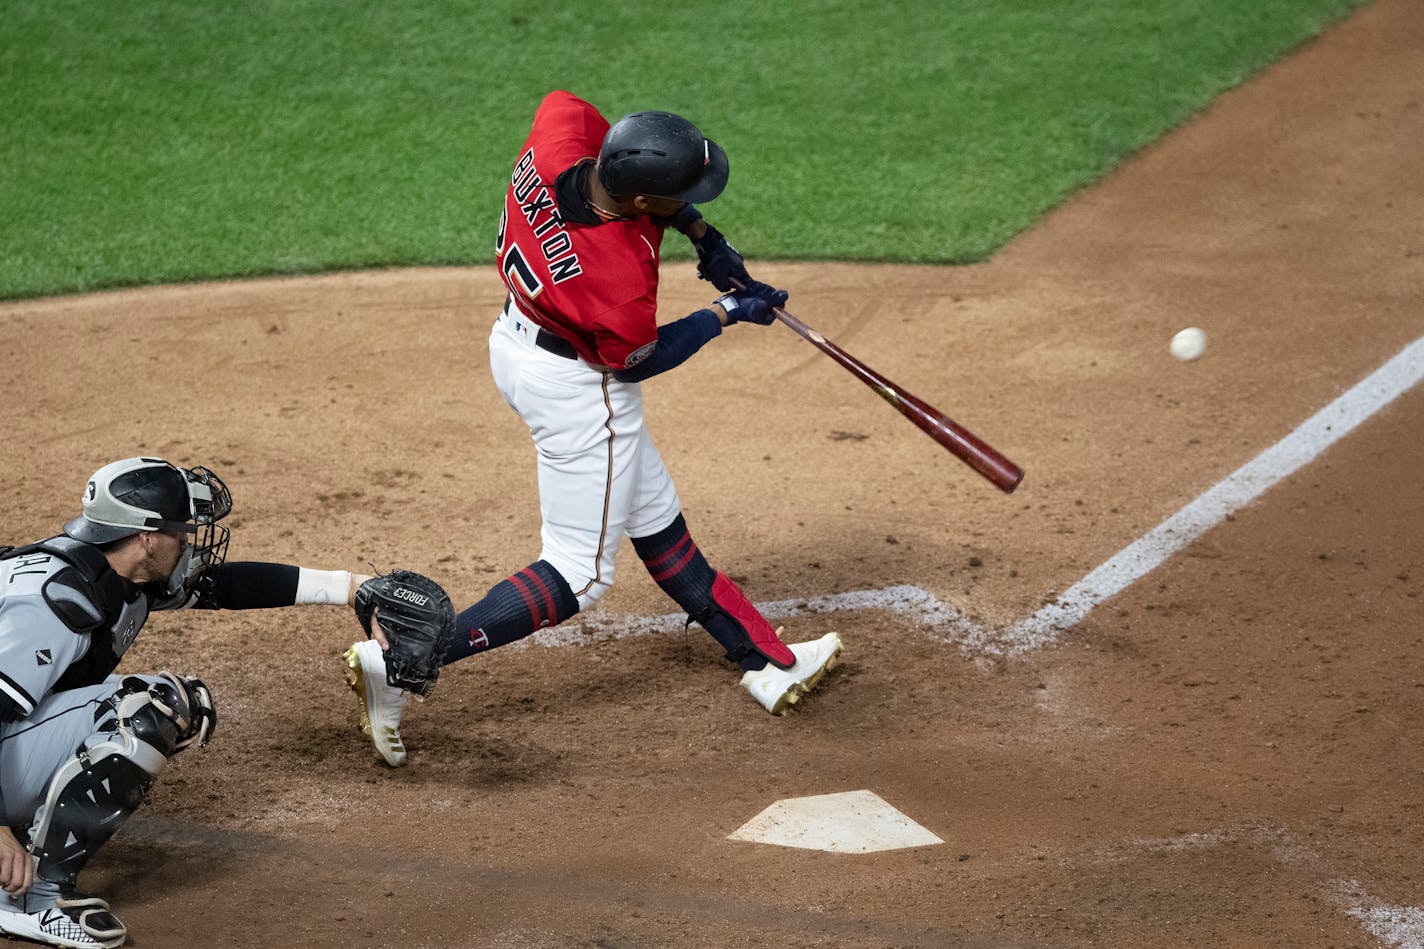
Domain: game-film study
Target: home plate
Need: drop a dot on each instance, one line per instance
(850, 822)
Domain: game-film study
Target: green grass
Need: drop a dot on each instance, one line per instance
(151, 141)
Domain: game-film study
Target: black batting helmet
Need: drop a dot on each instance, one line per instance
(661, 155)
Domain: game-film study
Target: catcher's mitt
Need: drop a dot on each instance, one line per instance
(419, 623)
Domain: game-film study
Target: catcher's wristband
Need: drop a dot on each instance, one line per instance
(322, 586)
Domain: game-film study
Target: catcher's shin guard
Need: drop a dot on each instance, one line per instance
(94, 793)
(739, 626)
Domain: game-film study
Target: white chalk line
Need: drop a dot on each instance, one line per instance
(1237, 489)
(1399, 926)
(907, 600)
(1151, 550)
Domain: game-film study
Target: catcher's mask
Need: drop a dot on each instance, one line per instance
(661, 155)
(149, 494)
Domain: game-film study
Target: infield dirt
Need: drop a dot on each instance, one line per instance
(1227, 753)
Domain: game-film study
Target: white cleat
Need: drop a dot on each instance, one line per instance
(381, 704)
(66, 926)
(779, 689)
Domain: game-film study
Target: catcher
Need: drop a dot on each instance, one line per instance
(80, 746)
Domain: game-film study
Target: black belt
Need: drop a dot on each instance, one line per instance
(545, 340)
(557, 345)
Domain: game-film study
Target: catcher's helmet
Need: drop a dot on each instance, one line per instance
(133, 495)
(149, 494)
(661, 155)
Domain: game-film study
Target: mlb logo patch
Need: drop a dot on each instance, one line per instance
(43, 657)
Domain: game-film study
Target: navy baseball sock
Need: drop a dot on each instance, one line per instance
(535, 597)
(683, 573)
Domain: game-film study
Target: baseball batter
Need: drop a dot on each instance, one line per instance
(578, 245)
(79, 745)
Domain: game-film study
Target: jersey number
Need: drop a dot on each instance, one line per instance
(517, 270)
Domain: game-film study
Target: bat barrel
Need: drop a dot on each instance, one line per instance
(962, 443)
(955, 438)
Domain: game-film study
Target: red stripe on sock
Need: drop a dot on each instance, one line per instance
(677, 567)
(543, 589)
(657, 562)
(535, 613)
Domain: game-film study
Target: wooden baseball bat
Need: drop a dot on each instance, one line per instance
(962, 443)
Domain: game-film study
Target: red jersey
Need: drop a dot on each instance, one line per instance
(595, 285)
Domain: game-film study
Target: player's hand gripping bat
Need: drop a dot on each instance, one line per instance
(962, 443)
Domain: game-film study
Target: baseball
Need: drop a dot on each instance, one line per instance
(1189, 344)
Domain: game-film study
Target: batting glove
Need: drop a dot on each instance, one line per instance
(753, 304)
(718, 262)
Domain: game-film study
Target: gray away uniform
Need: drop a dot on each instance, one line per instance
(79, 745)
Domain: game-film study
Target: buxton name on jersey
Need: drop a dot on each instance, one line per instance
(594, 285)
